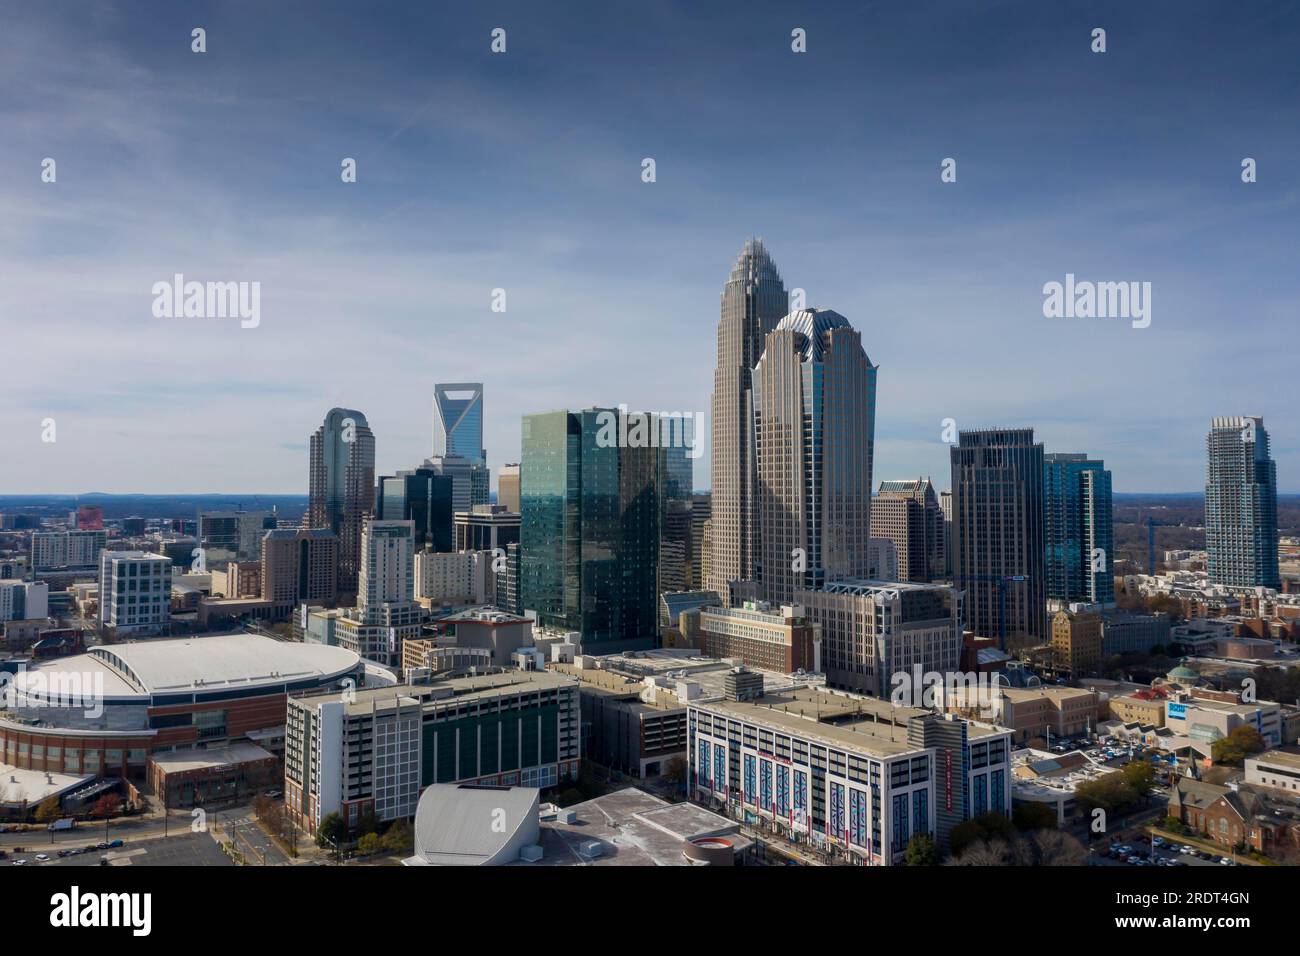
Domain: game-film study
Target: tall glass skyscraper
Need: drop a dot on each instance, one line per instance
(589, 537)
(1078, 529)
(1241, 534)
(342, 485)
(753, 302)
(814, 401)
(458, 421)
(997, 534)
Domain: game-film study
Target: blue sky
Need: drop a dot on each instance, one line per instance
(522, 171)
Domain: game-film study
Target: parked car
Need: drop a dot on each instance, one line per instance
(42, 857)
(113, 844)
(1224, 861)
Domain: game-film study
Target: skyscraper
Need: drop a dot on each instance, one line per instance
(458, 421)
(342, 486)
(753, 302)
(1241, 536)
(589, 539)
(424, 497)
(1077, 529)
(997, 530)
(814, 407)
(908, 514)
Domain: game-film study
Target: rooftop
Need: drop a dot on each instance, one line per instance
(631, 828)
(181, 761)
(192, 664)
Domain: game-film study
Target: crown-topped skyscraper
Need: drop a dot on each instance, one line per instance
(754, 300)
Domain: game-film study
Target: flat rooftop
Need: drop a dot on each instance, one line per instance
(862, 723)
(19, 786)
(618, 687)
(181, 761)
(453, 690)
(1281, 757)
(632, 828)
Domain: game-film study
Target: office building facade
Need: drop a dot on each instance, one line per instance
(874, 630)
(342, 486)
(135, 590)
(458, 421)
(1078, 531)
(753, 301)
(1241, 535)
(814, 404)
(589, 539)
(997, 534)
(376, 750)
(907, 513)
(299, 567)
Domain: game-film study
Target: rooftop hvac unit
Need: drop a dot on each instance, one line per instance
(566, 816)
(530, 854)
(590, 849)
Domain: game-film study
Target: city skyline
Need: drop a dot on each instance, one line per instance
(357, 286)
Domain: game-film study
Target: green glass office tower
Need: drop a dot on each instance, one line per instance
(1241, 534)
(1077, 529)
(589, 537)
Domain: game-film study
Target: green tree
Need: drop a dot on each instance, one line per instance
(332, 831)
(400, 837)
(368, 822)
(369, 843)
(1237, 746)
(49, 811)
(1033, 816)
(921, 851)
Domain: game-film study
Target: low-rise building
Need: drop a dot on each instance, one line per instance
(761, 635)
(1278, 768)
(1031, 712)
(1211, 720)
(628, 725)
(1076, 641)
(1235, 815)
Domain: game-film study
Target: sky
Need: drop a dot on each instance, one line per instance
(522, 171)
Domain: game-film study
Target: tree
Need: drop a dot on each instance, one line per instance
(369, 843)
(49, 811)
(368, 822)
(986, 827)
(921, 851)
(332, 831)
(1237, 746)
(400, 837)
(109, 805)
(1033, 816)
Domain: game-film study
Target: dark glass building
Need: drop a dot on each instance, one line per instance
(422, 496)
(997, 534)
(589, 538)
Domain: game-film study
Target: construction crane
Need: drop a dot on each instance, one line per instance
(1002, 580)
